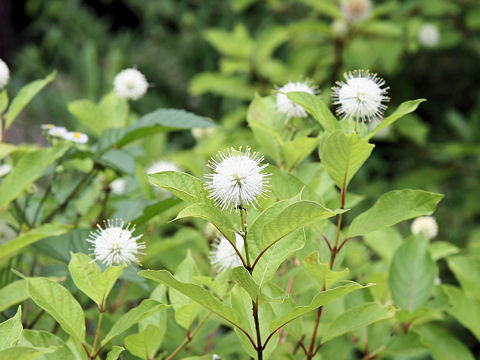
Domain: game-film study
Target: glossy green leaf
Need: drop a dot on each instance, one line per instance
(22, 353)
(343, 155)
(297, 150)
(114, 353)
(185, 186)
(43, 231)
(441, 249)
(44, 339)
(412, 274)
(11, 330)
(321, 271)
(236, 43)
(467, 271)
(408, 344)
(13, 293)
(320, 299)
(89, 278)
(146, 308)
(358, 317)
(245, 280)
(24, 96)
(405, 108)
(317, 108)
(144, 344)
(28, 169)
(59, 303)
(393, 207)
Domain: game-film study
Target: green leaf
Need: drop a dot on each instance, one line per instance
(343, 155)
(144, 344)
(3, 101)
(393, 207)
(467, 271)
(320, 299)
(463, 308)
(59, 303)
(161, 120)
(245, 280)
(412, 274)
(24, 96)
(44, 339)
(226, 85)
(185, 186)
(21, 353)
(10, 330)
(442, 345)
(441, 249)
(404, 344)
(89, 278)
(28, 169)
(321, 271)
(358, 317)
(236, 43)
(13, 293)
(317, 108)
(43, 231)
(146, 308)
(212, 214)
(405, 108)
(6, 149)
(114, 353)
(297, 150)
(194, 292)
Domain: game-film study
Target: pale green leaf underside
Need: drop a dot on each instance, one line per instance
(184, 186)
(10, 330)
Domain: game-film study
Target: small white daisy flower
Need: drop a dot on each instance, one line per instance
(115, 244)
(202, 133)
(425, 225)
(161, 166)
(47, 126)
(4, 74)
(428, 35)
(130, 84)
(287, 106)
(56, 131)
(361, 97)
(356, 10)
(76, 137)
(118, 186)
(237, 180)
(4, 169)
(224, 256)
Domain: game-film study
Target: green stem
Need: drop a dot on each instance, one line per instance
(243, 220)
(97, 332)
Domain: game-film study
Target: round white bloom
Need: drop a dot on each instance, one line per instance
(4, 74)
(115, 244)
(339, 28)
(56, 131)
(223, 254)
(425, 225)
(130, 84)
(4, 169)
(161, 166)
(118, 186)
(356, 10)
(428, 35)
(361, 97)
(237, 180)
(216, 357)
(287, 106)
(76, 137)
(202, 133)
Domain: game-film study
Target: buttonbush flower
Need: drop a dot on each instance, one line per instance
(428, 35)
(115, 244)
(361, 96)
(4, 169)
(118, 186)
(160, 166)
(130, 84)
(356, 10)
(224, 256)
(238, 179)
(76, 137)
(4, 74)
(425, 225)
(288, 107)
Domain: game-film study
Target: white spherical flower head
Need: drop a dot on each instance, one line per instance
(115, 244)
(55, 131)
(130, 84)
(76, 137)
(4, 74)
(118, 186)
(4, 169)
(287, 106)
(238, 179)
(425, 225)
(361, 96)
(428, 35)
(356, 10)
(223, 254)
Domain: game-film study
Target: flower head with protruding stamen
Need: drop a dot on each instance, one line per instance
(238, 179)
(223, 254)
(4, 74)
(361, 96)
(115, 244)
(130, 84)
(287, 106)
(425, 225)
